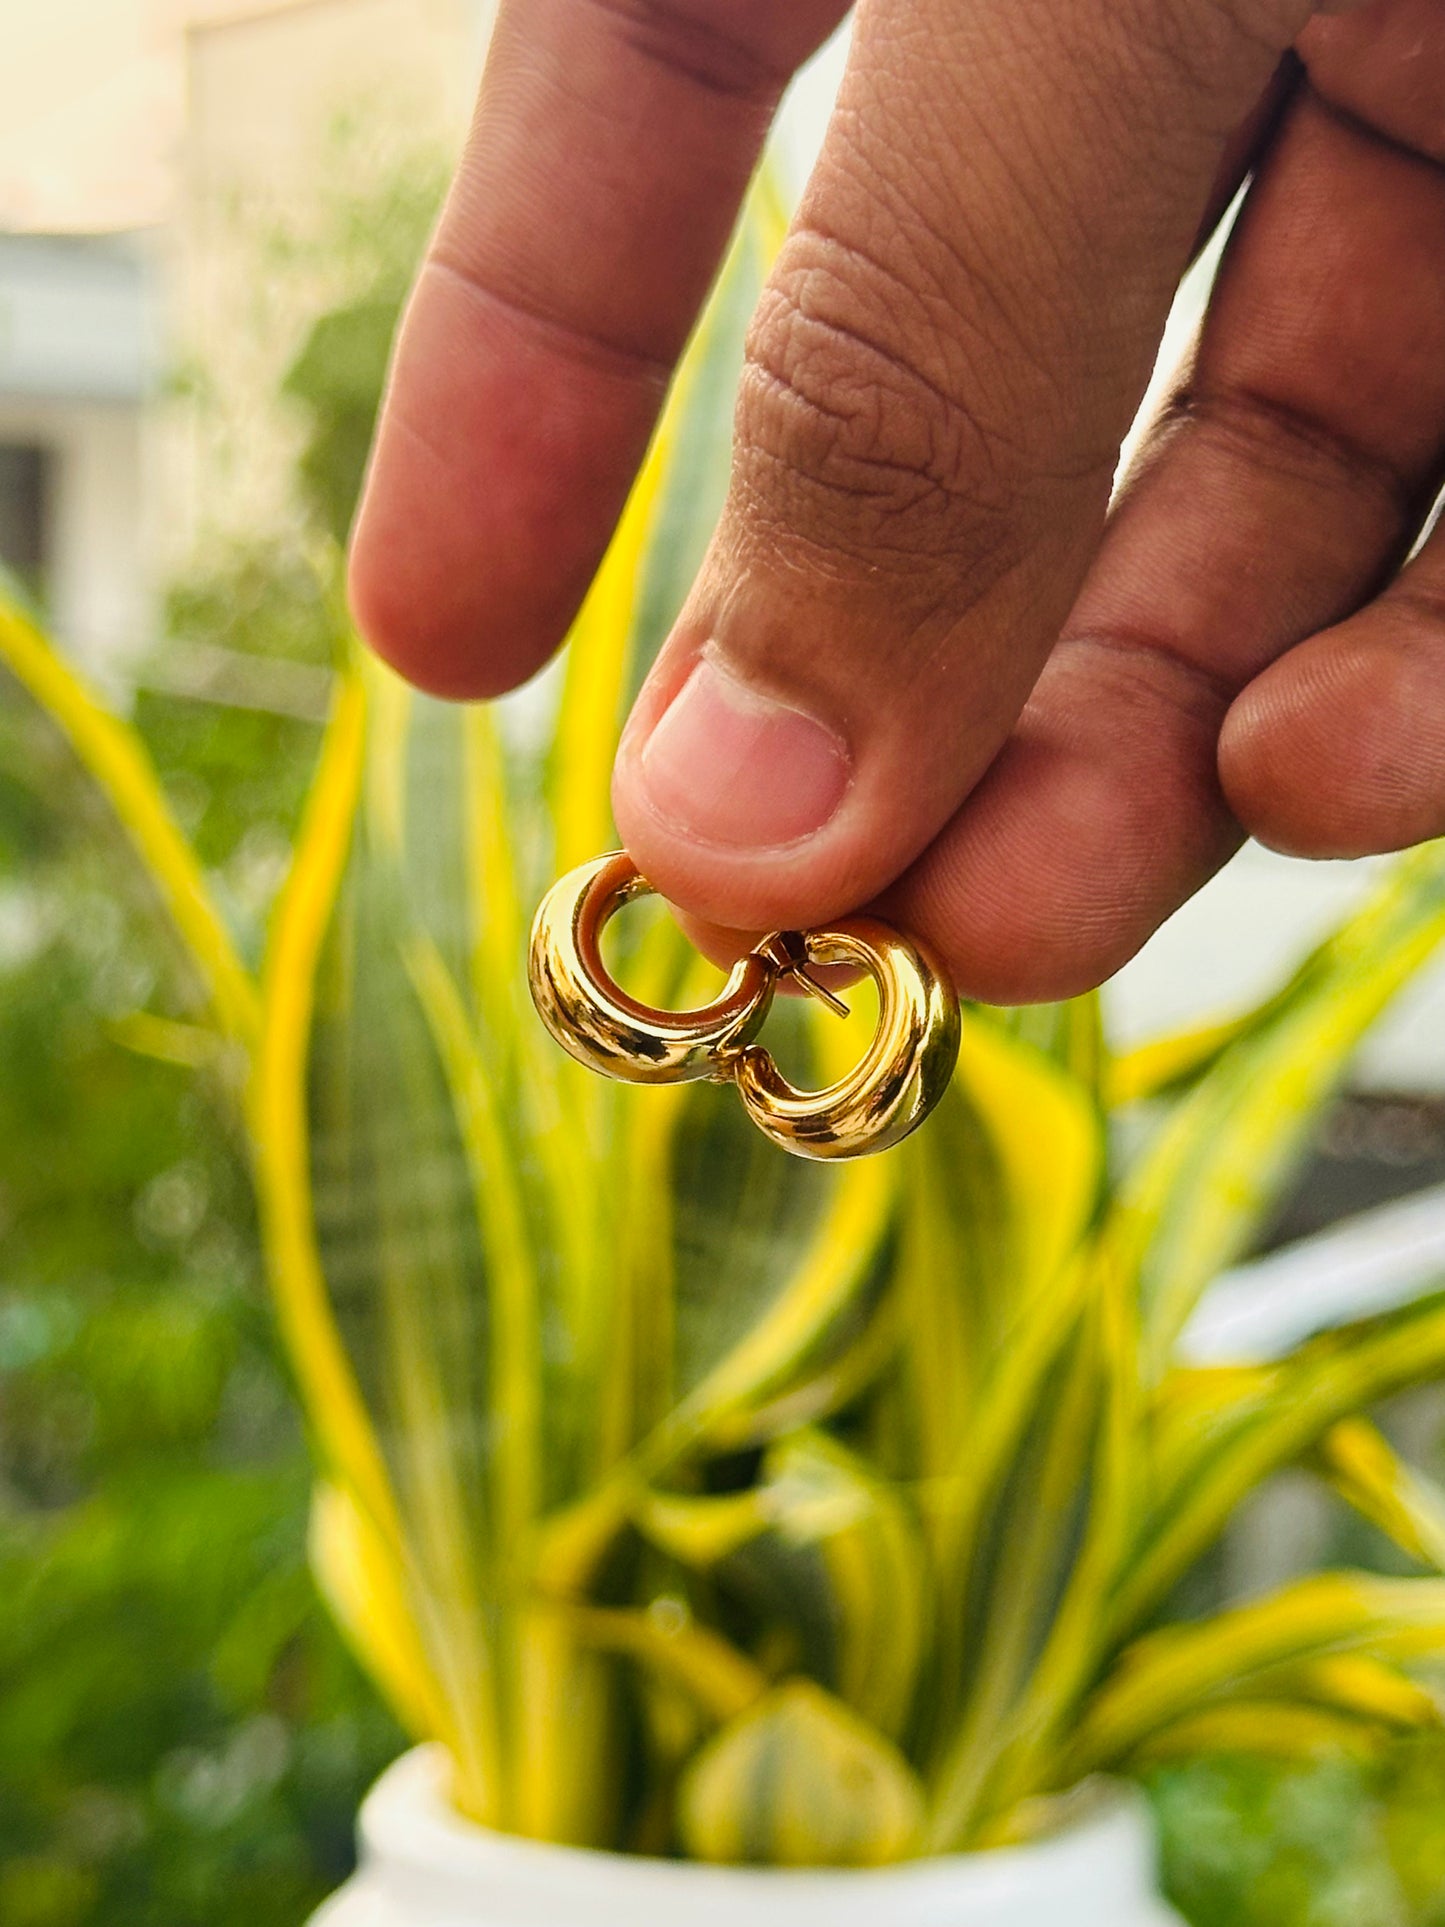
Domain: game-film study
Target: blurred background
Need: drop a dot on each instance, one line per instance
(209, 214)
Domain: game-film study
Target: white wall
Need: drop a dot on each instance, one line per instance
(98, 592)
(78, 360)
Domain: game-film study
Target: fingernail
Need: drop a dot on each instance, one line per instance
(727, 764)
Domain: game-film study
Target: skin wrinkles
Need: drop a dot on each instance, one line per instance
(848, 307)
(618, 360)
(1056, 720)
(930, 607)
(852, 405)
(1196, 41)
(941, 299)
(1385, 70)
(1298, 445)
(688, 42)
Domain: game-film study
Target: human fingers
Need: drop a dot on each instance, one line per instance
(952, 345)
(612, 144)
(1278, 493)
(1339, 748)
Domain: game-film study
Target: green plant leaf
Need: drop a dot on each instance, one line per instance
(1358, 1685)
(278, 1124)
(800, 1781)
(1167, 1065)
(999, 1198)
(513, 1276)
(1404, 1503)
(1045, 1131)
(823, 1545)
(1267, 1729)
(666, 1641)
(772, 1261)
(360, 1577)
(840, 1380)
(115, 758)
(1196, 1199)
(1070, 1034)
(1173, 1672)
(1265, 1418)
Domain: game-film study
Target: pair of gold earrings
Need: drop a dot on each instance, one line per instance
(898, 1081)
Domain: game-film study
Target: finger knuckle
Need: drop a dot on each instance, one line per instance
(850, 432)
(1192, 60)
(701, 44)
(1200, 37)
(1268, 433)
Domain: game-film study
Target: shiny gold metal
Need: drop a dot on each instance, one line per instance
(596, 1022)
(900, 1078)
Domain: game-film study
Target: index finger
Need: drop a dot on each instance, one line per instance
(612, 145)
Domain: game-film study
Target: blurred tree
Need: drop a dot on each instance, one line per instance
(183, 1739)
(1251, 1843)
(337, 378)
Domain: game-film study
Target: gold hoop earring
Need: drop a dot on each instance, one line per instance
(900, 1077)
(594, 1019)
(898, 1081)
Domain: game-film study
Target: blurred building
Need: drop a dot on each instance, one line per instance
(131, 132)
(284, 98)
(79, 356)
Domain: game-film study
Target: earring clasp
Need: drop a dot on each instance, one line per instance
(896, 1083)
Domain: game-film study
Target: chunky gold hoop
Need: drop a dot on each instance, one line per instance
(899, 1079)
(595, 1020)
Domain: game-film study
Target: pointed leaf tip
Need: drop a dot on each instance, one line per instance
(800, 1781)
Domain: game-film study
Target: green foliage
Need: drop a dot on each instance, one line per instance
(655, 1466)
(235, 755)
(336, 378)
(798, 1778)
(1333, 1843)
(182, 1738)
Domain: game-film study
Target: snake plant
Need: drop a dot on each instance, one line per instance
(701, 1500)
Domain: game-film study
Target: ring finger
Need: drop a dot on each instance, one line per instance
(1281, 489)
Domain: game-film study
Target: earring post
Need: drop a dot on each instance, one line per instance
(820, 991)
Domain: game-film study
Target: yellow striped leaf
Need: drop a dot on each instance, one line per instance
(1401, 1501)
(1171, 1673)
(1198, 1196)
(800, 1781)
(115, 758)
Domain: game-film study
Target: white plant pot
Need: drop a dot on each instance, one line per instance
(424, 1866)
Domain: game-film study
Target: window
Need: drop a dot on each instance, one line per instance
(24, 492)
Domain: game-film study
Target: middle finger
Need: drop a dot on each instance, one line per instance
(1281, 487)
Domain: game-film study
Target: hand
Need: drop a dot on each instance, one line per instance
(919, 667)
